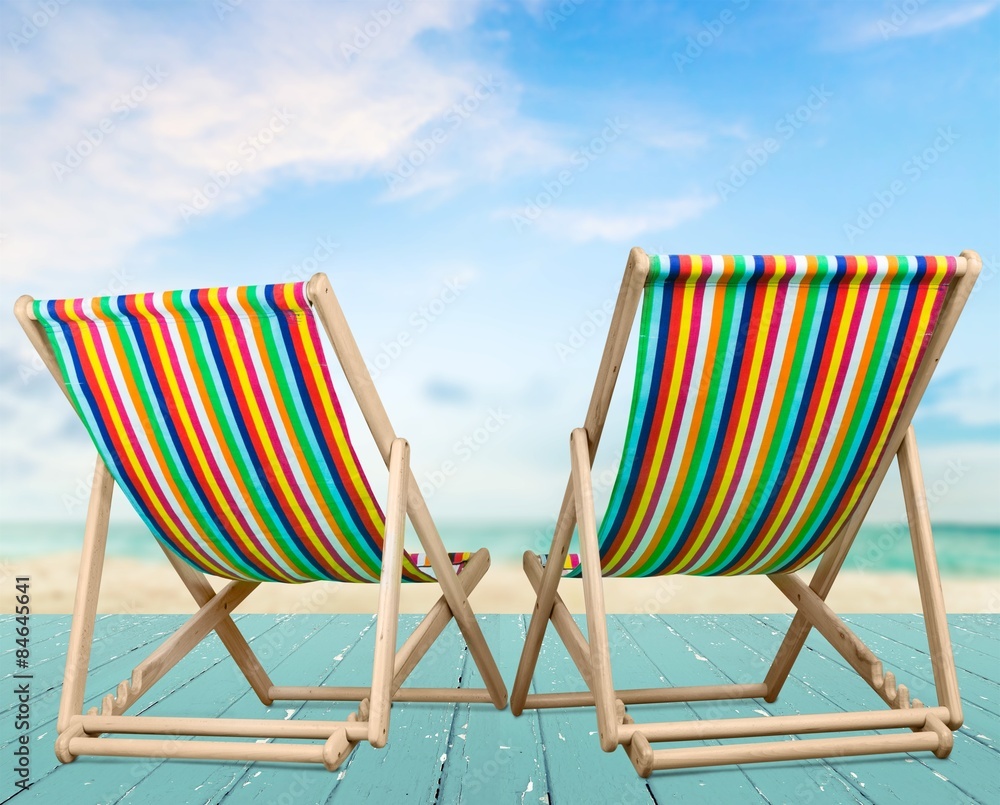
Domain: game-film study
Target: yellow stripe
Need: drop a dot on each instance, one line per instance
(274, 467)
(341, 443)
(826, 394)
(676, 374)
(729, 471)
(182, 417)
(119, 426)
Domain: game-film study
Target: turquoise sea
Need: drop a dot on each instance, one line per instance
(963, 550)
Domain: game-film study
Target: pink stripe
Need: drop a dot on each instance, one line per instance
(275, 441)
(152, 488)
(842, 366)
(196, 424)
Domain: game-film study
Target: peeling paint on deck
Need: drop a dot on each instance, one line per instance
(550, 756)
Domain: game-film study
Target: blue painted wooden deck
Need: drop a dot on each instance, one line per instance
(476, 754)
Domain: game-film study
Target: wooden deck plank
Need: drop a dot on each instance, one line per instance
(493, 757)
(576, 768)
(911, 634)
(964, 637)
(918, 777)
(693, 652)
(298, 656)
(49, 662)
(911, 663)
(555, 751)
(410, 766)
(107, 779)
(984, 623)
(43, 629)
(116, 651)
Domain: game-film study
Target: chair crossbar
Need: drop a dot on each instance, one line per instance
(712, 729)
(646, 760)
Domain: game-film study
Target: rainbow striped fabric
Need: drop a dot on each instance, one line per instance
(765, 393)
(215, 412)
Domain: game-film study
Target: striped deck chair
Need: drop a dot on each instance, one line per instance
(771, 395)
(214, 413)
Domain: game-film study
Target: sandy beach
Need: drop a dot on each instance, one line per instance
(134, 586)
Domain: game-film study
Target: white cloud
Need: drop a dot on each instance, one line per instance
(675, 140)
(271, 91)
(581, 226)
(922, 20)
(966, 396)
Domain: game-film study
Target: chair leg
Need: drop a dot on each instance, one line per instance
(227, 630)
(453, 593)
(387, 617)
(929, 580)
(795, 638)
(544, 601)
(88, 588)
(593, 594)
(358, 377)
(629, 295)
(435, 621)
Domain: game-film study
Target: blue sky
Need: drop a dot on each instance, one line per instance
(472, 176)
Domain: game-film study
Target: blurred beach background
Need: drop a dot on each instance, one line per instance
(471, 175)
(878, 575)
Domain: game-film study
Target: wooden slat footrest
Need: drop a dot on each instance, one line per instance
(646, 760)
(356, 694)
(780, 725)
(94, 725)
(195, 750)
(337, 746)
(695, 693)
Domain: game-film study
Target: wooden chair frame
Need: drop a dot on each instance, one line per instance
(79, 734)
(931, 727)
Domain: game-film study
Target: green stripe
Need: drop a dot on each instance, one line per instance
(778, 445)
(279, 368)
(225, 417)
(183, 481)
(887, 329)
(700, 456)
